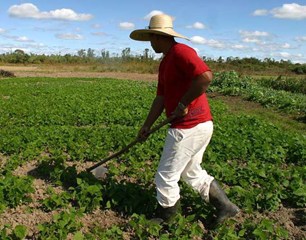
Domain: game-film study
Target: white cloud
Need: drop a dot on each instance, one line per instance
(295, 58)
(253, 34)
(99, 34)
(23, 39)
(253, 37)
(29, 10)
(198, 40)
(152, 13)
(96, 26)
(272, 47)
(2, 30)
(69, 36)
(285, 54)
(211, 42)
(25, 46)
(239, 47)
(250, 40)
(215, 43)
(292, 11)
(260, 12)
(197, 25)
(301, 39)
(286, 45)
(127, 25)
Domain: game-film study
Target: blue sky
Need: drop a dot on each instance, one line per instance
(239, 28)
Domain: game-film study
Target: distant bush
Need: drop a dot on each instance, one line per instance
(300, 69)
(289, 84)
(4, 73)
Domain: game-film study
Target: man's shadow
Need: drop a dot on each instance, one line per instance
(122, 196)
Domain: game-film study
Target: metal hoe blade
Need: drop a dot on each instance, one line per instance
(99, 172)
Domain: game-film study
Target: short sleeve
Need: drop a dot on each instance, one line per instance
(188, 59)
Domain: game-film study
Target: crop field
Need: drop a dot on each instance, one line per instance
(52, 129)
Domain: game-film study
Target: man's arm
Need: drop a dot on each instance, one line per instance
(198, 86)
(156, 110)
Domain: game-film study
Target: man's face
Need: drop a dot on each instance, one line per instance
(155, 43)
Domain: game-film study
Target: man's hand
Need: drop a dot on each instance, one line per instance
(180, 111)
(143, 133)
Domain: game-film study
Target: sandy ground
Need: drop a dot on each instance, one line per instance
(35, 71)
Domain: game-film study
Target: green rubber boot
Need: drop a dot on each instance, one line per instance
(225, 208)
(165, 215)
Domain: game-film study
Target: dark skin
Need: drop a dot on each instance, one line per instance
(199, 85)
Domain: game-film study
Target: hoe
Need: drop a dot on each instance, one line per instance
(99, 171)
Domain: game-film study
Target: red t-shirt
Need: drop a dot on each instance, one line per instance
(176, 72)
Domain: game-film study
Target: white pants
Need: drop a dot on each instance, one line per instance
(182, 157)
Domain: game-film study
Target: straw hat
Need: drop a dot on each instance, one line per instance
(159, 24)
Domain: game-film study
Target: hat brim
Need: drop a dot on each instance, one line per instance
(145, 34)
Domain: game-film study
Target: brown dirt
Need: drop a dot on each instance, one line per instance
(31, 214)
(37, 71)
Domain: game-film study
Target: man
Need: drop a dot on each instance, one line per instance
(182, 81)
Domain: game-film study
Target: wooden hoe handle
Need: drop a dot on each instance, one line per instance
(160, 125)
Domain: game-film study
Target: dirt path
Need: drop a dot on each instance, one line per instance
(34, 71)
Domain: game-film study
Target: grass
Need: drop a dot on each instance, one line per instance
(238, 106)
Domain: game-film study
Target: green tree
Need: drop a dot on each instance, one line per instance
(82, 53)
(90, 53)
(126, 53)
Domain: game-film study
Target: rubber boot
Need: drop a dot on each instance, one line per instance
(225, 208)
(166, 214)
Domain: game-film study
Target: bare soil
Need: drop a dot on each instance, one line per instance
(31, 214)
(69, 71)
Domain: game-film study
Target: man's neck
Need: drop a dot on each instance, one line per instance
(168, 45)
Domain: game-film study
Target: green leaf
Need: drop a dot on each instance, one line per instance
(259, 233)
(300, 191)
(262, 173)
(20, 231)
(78, 236)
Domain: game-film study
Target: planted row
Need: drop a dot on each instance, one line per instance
(230, 83)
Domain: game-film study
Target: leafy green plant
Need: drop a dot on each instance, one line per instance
(63, 223)
(184, 228)
(55, 201)
(144, 228)
(87, 196)
(114, 232)
(295, 85)
(179, 228)
(14, 190)
(230, 83)
(229, 231)
(17, 233)
(267, 229)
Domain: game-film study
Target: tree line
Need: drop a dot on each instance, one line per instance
(90, 56)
